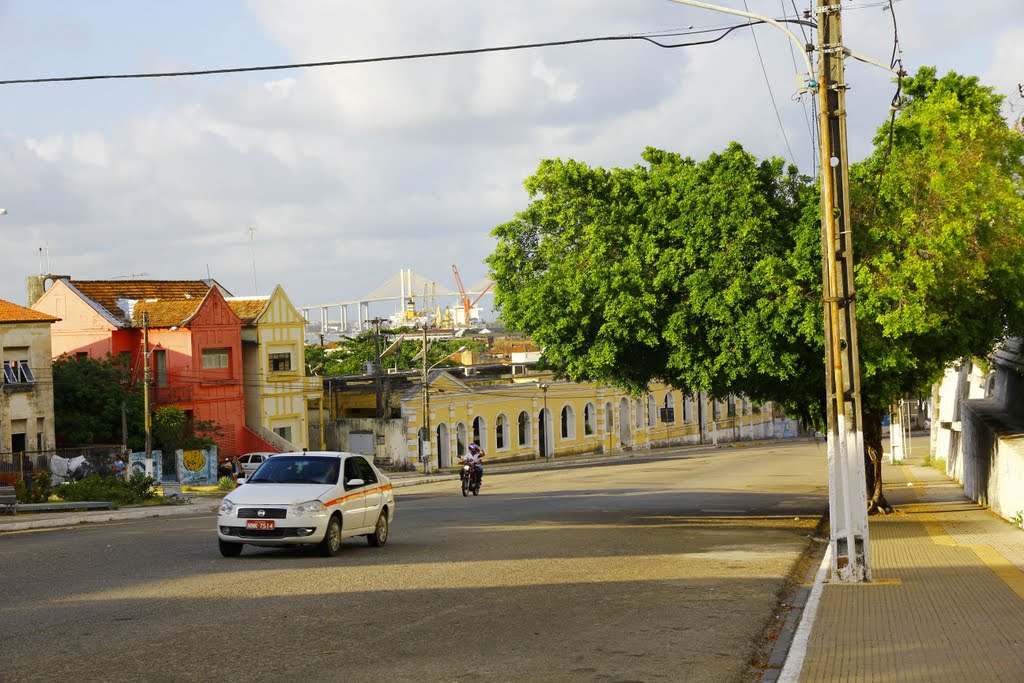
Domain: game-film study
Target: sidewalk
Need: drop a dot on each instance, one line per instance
(947, 600)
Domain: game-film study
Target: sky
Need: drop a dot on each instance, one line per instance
(328, 181)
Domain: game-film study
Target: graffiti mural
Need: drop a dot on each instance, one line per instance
(197, 468)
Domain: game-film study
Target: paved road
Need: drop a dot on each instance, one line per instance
(652, 570)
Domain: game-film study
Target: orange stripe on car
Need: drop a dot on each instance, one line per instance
(339, 501)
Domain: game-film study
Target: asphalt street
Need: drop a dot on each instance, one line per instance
(642, 570)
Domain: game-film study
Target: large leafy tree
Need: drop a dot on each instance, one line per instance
(938, 220)
(706, 275)
(699, 274)
(88, 398)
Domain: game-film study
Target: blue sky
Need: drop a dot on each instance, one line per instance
(350, 174)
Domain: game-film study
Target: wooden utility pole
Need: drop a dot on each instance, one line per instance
(376, 322)
(425, 437)
(848, 500)
(145, 394)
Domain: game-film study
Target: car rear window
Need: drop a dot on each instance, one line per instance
(291, 469)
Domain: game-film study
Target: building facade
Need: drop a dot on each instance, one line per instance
(26, 399)
(278, 394)
(528, 416)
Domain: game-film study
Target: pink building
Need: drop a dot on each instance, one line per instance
(195, 344)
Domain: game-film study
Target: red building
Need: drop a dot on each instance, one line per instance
(195, 344)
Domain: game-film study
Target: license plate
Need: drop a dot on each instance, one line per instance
(260, 524)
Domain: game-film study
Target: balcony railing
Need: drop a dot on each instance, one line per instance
(179, 394)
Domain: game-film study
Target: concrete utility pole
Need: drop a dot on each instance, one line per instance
(848, 518)
(148, 419)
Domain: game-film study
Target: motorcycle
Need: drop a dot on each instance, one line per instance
(470, 480)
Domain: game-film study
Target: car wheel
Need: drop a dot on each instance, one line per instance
(228, 549)
(380, 534)
(332, 539)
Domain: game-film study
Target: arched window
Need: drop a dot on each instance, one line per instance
(639, 413)
(652, 411)
(568, 423)
(668, 409)
(589, 418)
(501, 432)
(524, 429)
(730, 406)
(716, 410)
(480, 432)
(460, 439)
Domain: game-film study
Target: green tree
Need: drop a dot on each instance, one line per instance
(88, 396)
(706, 275)
(173, 430)
(939, 241)
(352, 355)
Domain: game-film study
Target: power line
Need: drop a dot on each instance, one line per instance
(803, 104)
(405, 57)
(771, 93)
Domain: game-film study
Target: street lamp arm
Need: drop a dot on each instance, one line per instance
(767, 20)
(870, 60)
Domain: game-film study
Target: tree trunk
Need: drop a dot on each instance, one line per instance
(873, 462)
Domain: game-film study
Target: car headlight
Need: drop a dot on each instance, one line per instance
(227, 507)
(309, 507)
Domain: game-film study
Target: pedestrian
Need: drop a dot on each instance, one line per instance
(119, 466)
(236, 469)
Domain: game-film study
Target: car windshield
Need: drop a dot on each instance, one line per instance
(297, 469)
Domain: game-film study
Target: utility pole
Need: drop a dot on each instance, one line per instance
(425, 438)
(848, 521)
(145, 394)
(376, 366)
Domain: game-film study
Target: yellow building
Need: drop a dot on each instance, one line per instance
(278, 394)
(26, 387)
(526, 417)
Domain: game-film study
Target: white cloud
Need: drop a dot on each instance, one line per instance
(351, 173)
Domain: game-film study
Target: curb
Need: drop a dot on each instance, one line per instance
(113, 516)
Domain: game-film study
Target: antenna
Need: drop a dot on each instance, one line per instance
(252, 249)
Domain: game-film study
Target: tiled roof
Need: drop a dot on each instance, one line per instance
(247, 308)
(107, 293)
(165, 313)
(13, 313)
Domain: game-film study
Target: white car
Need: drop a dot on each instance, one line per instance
(250, 462)
(299, 498)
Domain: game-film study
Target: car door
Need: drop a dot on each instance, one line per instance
(372, 493)
(353, 504)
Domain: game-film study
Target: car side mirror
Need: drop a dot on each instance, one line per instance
(355, 482)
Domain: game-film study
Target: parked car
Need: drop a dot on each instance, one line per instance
(316, 498)
(250, 462)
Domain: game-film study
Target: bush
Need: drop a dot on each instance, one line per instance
(39, 492)
(225, 483)
(137, 489)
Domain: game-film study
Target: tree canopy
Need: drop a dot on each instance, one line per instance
(706, 274)
(88, 396)
(351, 355)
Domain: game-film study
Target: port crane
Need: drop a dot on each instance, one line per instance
(467, 305)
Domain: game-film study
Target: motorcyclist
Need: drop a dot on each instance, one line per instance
(473, 456)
